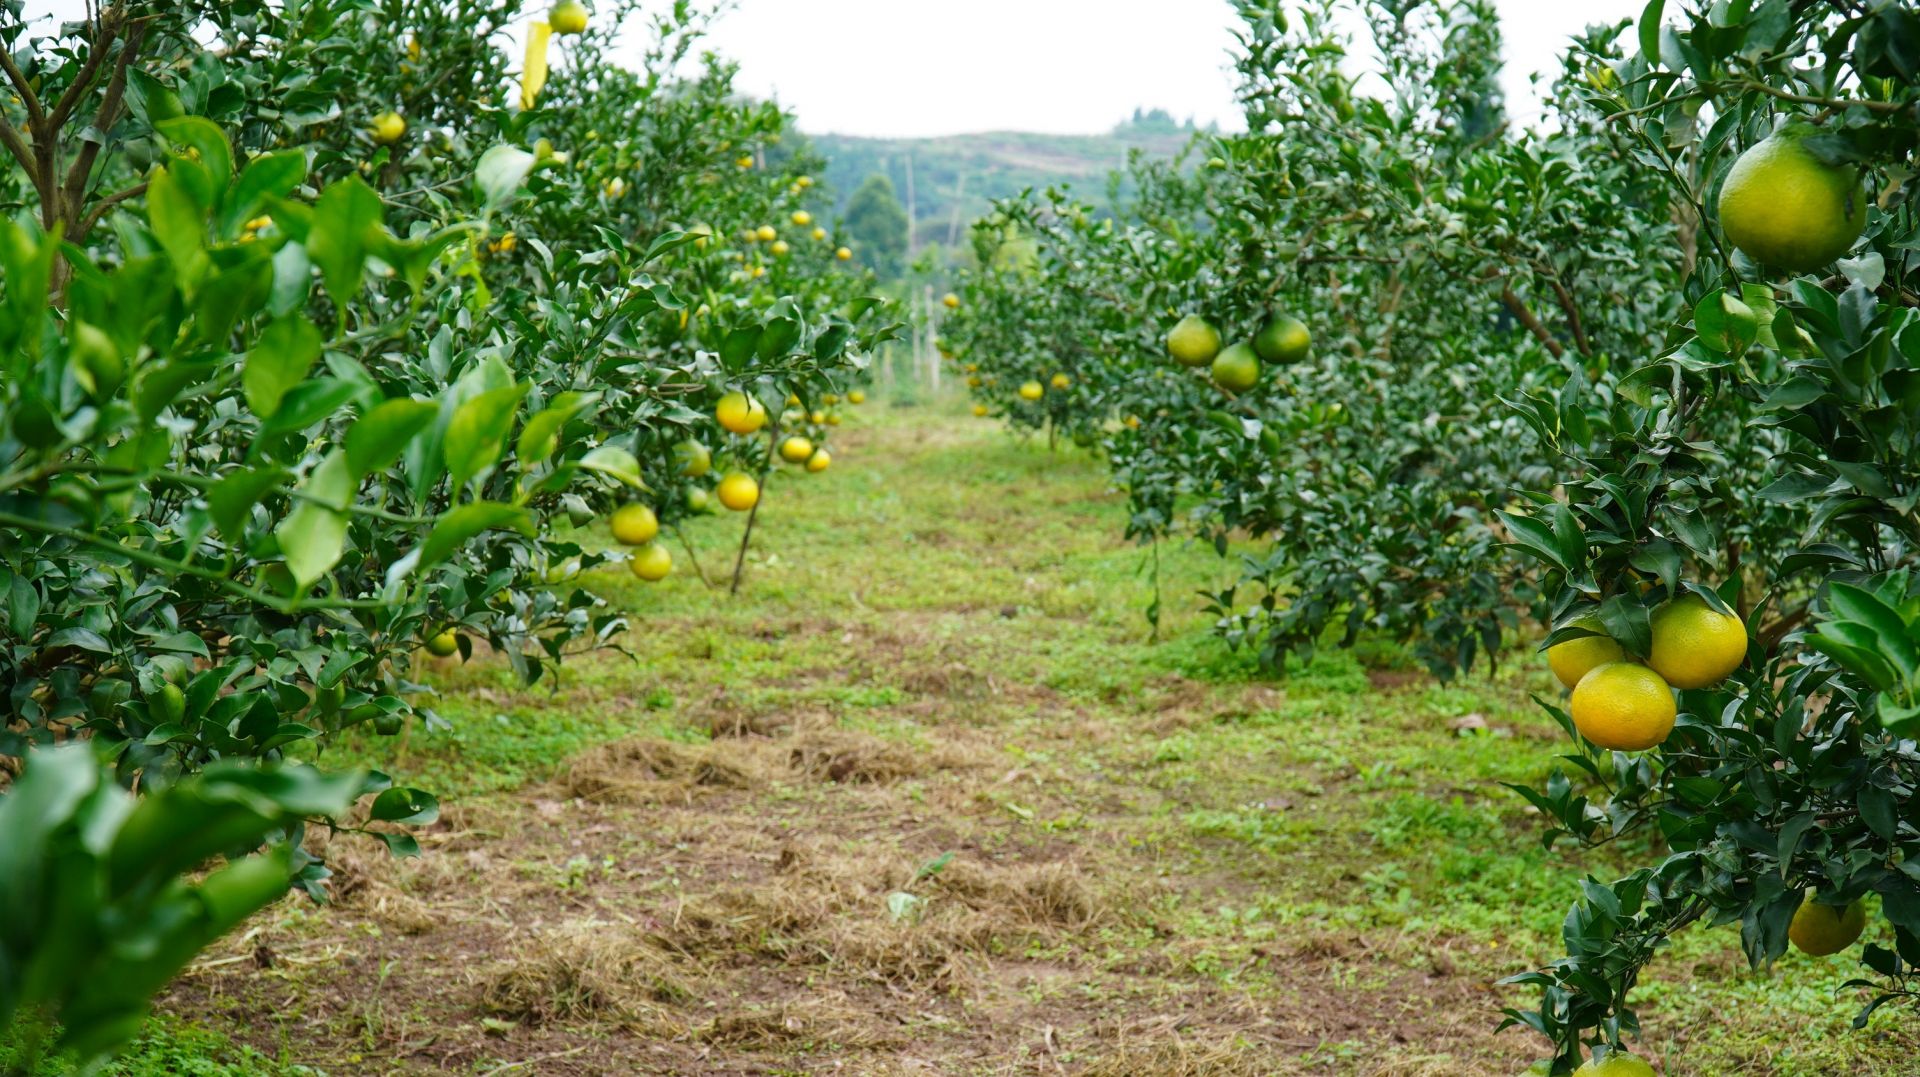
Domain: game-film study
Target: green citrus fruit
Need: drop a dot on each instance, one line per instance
(1237, 368)
(170, 703)
(692, 458)
(1618, 1064)
(443, 643)
(568, 17)
(1283, 340)
(1193, 342)
(1818, 930)
(1785, 207)
(634, 524)
(651, 562)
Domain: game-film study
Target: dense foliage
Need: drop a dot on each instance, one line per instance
(1546, 397)
(321, 325)
(1434, 258)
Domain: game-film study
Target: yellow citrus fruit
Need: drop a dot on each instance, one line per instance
(843, 254)
(1193, 342)
(692, 459)
(857, 396)
(1623, 706)
(819, 234)
(973, 381)
(1032, 390)
(765, 233)
(1695, 645)
(745, 160)
(388, 127)
(1786, 207)
(1283, 340)
(979, 411)
(801, 218)
(651, 562)
(615, 187)
(780, 248)
(1618, 1064)
(1818, 930)
(568, 17)
(796, 449)
(443, 643)
(804, 181)
(1575, 658)
(830, 399)
(634, 525)
(740, 413)
(1237, 368)
(817, 418)
(950, 301)
(833, 418)
(1061, 381)
(738, 491)
(819, 461)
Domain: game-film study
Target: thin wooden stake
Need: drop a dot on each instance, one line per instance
(766, 468)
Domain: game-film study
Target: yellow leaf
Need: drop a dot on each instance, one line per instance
(535, 74)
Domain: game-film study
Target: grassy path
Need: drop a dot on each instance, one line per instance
(924, 799)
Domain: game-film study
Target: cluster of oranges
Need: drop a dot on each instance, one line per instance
(1194, 342)
(638, 525)
(1627, 705)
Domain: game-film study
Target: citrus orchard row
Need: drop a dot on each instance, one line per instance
(1636, 387)
(326, 329)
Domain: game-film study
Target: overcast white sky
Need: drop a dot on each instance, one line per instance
(936, 67)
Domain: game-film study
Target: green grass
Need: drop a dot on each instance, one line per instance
(174, 1049)
(1247, 818)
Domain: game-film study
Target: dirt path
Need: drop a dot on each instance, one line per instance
(925, 800)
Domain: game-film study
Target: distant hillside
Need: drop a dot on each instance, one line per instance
(965, 173)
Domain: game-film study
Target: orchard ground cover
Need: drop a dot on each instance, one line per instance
(924, 798)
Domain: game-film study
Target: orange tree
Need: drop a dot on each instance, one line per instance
(1436, 262)
(1663, 353)
(303, 357)
(1782, 780)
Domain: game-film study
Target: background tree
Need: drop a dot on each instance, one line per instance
(878, 224)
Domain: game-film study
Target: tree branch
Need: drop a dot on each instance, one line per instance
(1519, 308)
(105, 32)
(10, 137)
(1573, 315)
(1836, 103)
(100, 209)
(35, 114)
(103, 122)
